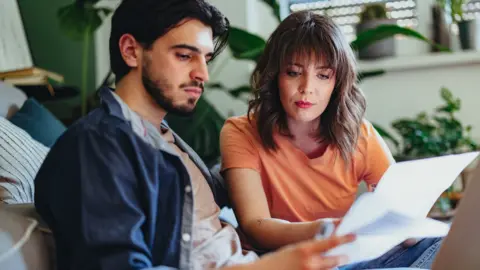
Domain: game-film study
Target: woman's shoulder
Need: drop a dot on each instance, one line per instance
(367, 129)
(240, 124)
(367, 135)
(370, 139)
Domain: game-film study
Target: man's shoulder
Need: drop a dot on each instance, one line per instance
(98, 122)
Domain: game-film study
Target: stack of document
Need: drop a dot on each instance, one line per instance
(398, 208)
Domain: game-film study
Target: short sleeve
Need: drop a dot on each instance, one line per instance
(377, 155)
(237, 145)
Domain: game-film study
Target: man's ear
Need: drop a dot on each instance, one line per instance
(130, 49)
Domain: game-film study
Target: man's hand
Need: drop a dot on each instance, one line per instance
(306, 255)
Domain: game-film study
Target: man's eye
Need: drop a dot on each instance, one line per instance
(183, 56)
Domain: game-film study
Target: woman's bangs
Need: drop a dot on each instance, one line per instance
(307, 46)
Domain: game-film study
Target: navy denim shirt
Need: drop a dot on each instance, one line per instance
(115, 201)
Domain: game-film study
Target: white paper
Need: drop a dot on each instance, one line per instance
(14, 49)
(398, 208)
(414, 186)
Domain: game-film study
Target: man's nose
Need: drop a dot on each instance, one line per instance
(200, 72)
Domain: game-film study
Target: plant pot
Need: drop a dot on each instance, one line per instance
(441, 34)
(468, 34)
(379, 49)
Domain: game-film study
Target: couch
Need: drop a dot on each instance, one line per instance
(26, 243)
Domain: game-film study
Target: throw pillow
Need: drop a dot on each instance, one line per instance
(39, 122)
(20, 159)
(11, 99)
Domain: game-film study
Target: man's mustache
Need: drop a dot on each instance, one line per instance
(193, 84)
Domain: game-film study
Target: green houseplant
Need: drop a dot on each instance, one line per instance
(437, 134)
(466, 27)
(425, 135)
(79, 21)
(372, 16)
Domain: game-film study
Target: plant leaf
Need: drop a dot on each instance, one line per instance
(240, 90)
(80, 18)
(215, 85)
(245, 45)
(253, 55)
(381, 32)
(368, 74)
(275, 7)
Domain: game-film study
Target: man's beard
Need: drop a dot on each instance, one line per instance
(156, 89)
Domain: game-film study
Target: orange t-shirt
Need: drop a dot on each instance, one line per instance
(299, 188)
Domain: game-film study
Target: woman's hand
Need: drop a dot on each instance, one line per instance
(328, 226)
(306, 255)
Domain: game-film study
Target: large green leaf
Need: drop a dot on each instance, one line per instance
(275, 7)
(201, 131)
(240, 90)
(253, 55)
(80, 18)
(381, 32)
(369, 74)
(245, 45)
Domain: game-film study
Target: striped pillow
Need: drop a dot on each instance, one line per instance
(20, 158)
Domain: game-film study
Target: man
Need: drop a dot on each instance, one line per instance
(119, 189)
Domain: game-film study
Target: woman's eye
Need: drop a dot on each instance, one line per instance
(323, 77)
(292, 73)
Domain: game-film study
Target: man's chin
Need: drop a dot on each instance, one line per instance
(183, 111)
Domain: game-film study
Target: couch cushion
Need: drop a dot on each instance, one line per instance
(11, 99)
(20, 158)
(39, 122)
(19, 227)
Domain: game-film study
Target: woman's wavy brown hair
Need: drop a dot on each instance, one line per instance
(303, 34)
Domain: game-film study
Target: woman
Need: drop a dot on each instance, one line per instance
(304, 147)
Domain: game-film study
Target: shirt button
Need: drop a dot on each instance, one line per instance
(186, 237)
(188, 189)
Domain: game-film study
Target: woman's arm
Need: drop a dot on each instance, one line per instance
(251, 208)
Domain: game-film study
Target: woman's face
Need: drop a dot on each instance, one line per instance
(305, 89)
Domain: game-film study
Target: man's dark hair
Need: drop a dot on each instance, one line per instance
(147, 20)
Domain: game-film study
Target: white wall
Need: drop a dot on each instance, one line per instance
(406, 93)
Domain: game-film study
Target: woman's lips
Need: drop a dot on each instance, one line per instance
(303, 104)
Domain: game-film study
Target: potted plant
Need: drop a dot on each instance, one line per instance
(467, 28)
(440, 133)
(440, 29)
(371, 17)
(79, 20)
